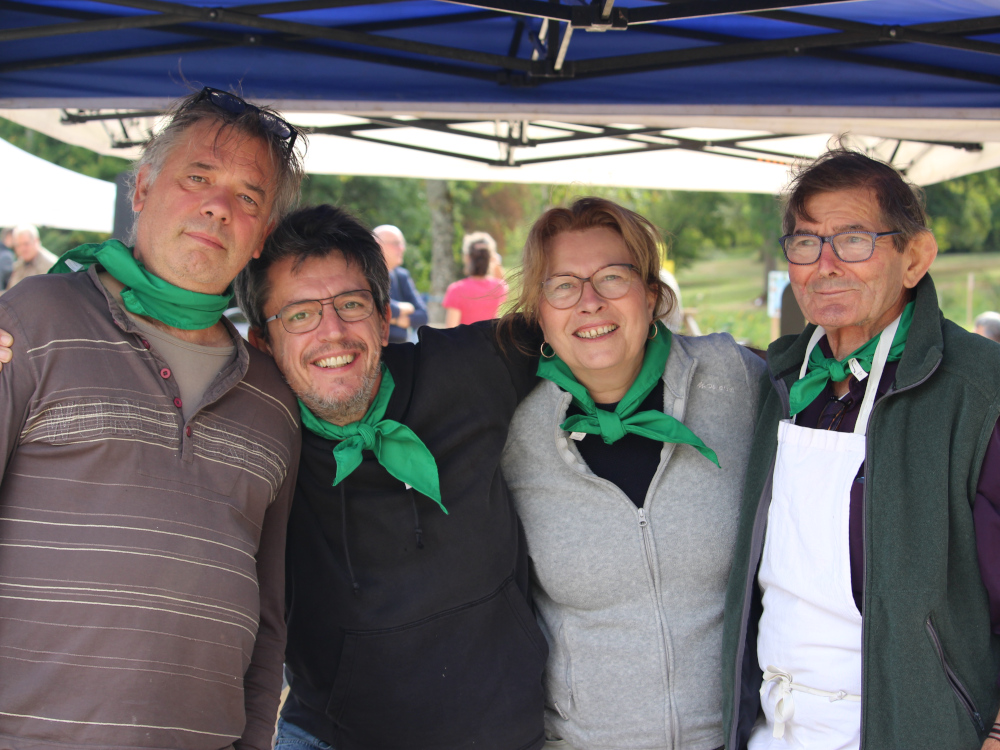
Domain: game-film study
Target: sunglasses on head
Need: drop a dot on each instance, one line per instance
(236, 106)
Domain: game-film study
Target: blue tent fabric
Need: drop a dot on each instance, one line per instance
(938, 54)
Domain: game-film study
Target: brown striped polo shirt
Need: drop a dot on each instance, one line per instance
(141, 555)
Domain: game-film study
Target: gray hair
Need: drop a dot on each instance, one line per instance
(251, 122)
(990, 323)
(25, 229)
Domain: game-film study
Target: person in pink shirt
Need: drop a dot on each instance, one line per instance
(479, 295)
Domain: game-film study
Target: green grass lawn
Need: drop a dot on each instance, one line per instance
(723, 289)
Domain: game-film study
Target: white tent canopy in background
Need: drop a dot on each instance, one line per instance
(762, 165)
(35, 191)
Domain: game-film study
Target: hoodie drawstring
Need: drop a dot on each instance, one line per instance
(416, 521)
(347, 550)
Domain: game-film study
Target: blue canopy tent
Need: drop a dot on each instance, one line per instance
(507, 88)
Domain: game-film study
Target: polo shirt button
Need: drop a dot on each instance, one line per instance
(187, 430)
(145, 343)
(178, 403)
(165, 372)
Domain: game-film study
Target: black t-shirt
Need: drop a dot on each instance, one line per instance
(630, 462)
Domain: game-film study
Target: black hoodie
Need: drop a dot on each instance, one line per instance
(409, 628)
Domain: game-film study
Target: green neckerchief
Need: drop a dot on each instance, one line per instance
(614, 425)
(146, 294)
(823, 369)
(395, 445)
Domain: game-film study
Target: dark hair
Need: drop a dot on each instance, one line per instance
(479, 260)
(313, 232)
(251, 122)
(901, 204)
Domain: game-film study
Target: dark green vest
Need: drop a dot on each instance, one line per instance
(930, 663)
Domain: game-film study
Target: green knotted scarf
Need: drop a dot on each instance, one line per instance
(823, 369)
(146, 294)
(614, 425)
(395, 445)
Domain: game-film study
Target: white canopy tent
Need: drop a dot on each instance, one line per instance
(647, 147)
(38, 192)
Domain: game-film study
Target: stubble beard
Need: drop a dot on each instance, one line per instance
(344, 411)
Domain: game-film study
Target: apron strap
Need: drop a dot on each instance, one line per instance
(878, 365)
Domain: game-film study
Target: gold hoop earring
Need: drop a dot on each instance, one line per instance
(542, 350)
(656, 329)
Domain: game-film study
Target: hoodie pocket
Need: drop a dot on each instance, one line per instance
(471, 675)
(956, 684)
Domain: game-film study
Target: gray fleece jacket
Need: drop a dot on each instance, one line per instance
(631, 599)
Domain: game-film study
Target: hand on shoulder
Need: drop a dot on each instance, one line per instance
(6, 342)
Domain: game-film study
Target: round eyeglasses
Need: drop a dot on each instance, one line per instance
(850, 247)
(610, 282)
(304, 316)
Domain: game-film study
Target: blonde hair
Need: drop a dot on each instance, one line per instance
(640, 236)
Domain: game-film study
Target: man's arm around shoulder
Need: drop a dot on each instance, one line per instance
(17, 383)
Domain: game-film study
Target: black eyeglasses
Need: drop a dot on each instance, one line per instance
(850, 247)
(234, 105)
(611, 282)
(302, 317)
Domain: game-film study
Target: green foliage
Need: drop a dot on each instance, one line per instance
(381, 200)
(965, 212)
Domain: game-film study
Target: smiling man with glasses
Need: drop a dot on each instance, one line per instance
(149, 460)
(864, 603)
(408, 617)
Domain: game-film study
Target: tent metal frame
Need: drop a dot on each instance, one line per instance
(511, 137)
(259, 25)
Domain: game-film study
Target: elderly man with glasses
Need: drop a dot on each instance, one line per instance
(864, 603)
(149, 459)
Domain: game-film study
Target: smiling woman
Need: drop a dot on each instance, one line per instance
(626, 465)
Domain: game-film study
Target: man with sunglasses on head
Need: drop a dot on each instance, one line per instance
(407, 573)
(149, 459)
(864, 603)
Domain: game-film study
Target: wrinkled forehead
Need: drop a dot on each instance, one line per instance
(230, 148)
(855, 208)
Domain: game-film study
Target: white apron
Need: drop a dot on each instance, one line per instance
(809, 642)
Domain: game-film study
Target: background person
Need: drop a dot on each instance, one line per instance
(614, 463)
(409, 311)
(478, 296)
(988, 325)
(148, 463)
(32, 258)
(7, 257)
(864, 603)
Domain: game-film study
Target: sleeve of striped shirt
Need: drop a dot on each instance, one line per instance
(262, 681)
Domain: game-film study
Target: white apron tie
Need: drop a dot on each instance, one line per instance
(809, 641)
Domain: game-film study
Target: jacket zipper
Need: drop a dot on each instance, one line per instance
(644, 530)
(956, 684)
(864, 538)
(644, 527)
